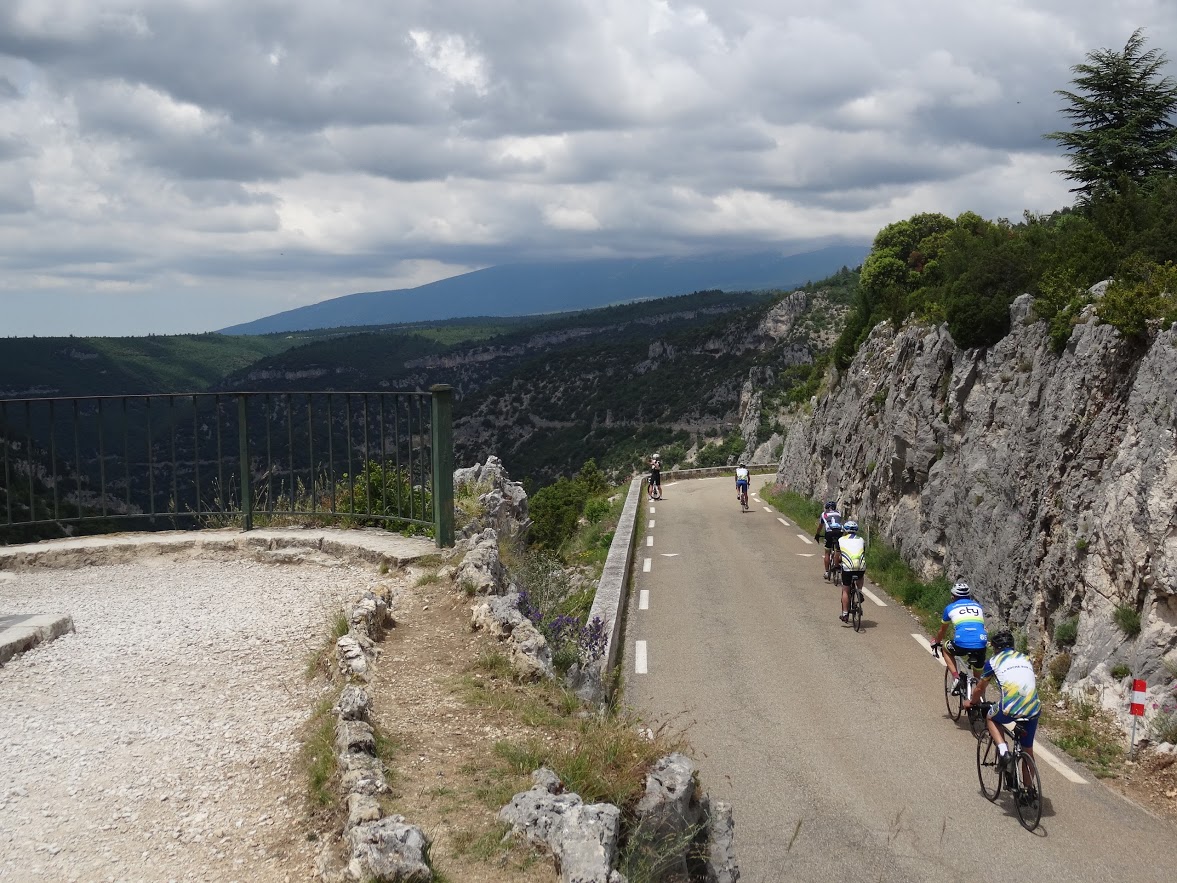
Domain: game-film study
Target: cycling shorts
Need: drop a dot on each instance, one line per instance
(848, 576)
(742, 485)
(832, 538)
(974, 655)
(656, 477)
(1029, 728)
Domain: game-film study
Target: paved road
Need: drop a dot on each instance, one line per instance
(834, 747)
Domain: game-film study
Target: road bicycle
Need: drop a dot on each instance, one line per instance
(955, 699)
(855, 606)
(1018, 774)
(654, 491)
(742, 493)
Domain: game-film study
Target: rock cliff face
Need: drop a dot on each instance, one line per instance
(1048, 481)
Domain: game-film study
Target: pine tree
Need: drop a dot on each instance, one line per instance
(1124, 119)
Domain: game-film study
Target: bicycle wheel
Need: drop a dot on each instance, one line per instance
(1028, 797)
(955, 703)
(856, 608)
(988, 772)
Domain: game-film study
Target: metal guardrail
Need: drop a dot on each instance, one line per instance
(153, 461)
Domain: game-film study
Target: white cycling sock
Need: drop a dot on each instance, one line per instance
(1002, 749)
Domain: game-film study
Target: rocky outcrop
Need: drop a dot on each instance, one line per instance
(502, 503)
(1048, 481)
(525, 648)
(683, 833)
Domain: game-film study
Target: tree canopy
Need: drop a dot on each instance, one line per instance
(1124, 119)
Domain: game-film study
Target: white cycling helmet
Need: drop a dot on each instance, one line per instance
(961, 589)
(850, 526)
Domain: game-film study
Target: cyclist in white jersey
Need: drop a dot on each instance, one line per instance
(742, 481)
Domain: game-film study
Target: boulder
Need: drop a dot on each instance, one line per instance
(389, 851)
(353, 704)
(481, 571)
(721, 847)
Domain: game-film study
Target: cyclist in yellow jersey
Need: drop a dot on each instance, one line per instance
(852, 548)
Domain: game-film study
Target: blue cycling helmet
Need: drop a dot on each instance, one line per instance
(850, 526)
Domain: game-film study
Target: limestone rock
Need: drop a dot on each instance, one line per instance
(353, 704)
(352, 660)
(670, 814)
(1047, 480)
(355, 737)
(722, 866)
(481, 571)
(389, 850)
(361, 808)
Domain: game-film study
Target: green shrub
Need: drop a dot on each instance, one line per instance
(1128, 620)
(1066, 632)
(1121, 671)
(722, 454)
(596, 509)
(1081, 545)
(1059, 666)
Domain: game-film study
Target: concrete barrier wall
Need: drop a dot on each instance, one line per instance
(609, 601)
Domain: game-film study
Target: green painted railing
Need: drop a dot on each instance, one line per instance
(93, 464)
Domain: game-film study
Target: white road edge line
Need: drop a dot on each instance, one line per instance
(647, 564)
(651, 510)
(879, 601)
(782, 521)
(928, 646)
(766, 508)
(1040, 750)
(805, 539)
(652, 523)
(644, 598)
(639, 657)
(1064, 770)
(649, 541)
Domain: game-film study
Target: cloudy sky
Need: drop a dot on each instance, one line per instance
(181, 165)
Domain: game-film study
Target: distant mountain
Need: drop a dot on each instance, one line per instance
(525, 289)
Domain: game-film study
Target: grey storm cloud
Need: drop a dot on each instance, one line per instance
(250, 157)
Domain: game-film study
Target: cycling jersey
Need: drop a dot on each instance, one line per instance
(853, 551)
(741, 476)
(831, 520)
(968, 623)
(1019, 688)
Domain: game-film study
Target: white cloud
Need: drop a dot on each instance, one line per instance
(259, 156)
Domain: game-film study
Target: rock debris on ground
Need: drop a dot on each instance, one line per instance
(159, 741)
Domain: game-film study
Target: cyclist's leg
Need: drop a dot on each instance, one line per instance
(845, 595)
(950, 658)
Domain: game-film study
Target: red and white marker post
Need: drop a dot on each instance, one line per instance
(1136, 709)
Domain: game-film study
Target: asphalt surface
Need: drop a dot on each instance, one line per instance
(835, 747)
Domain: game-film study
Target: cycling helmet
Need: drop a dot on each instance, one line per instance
(961, 590)
(831, 505)
(850, 526)
(1001, 640)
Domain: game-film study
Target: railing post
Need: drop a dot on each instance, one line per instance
(442, 440)
(243, 448)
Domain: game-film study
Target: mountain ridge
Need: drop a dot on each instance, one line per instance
(551, 287)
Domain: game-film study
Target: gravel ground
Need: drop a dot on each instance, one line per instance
(157, 743)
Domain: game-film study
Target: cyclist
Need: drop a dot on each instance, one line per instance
(852, 548)
(968, 635)
(1014, 673)
(742, 485)
(654, 487)
(830, 523)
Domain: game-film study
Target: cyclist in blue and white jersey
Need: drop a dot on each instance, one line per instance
(969, 639)
(1014, 673)
(742, 484)
(829, 524)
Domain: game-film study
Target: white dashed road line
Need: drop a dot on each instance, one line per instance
(768, 508)
(878, 601)
(644, 599)
(649, 541)
(782, 521)
(639, 657)
(652, 522)
(651, 510)
(647, 564)
(1039, 750)
(806, 540)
